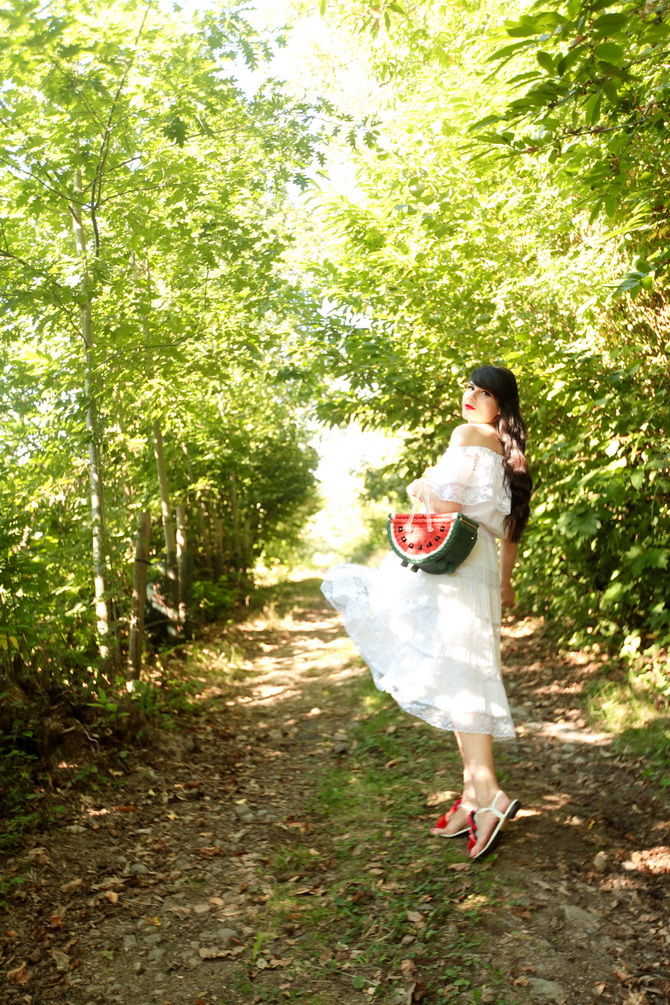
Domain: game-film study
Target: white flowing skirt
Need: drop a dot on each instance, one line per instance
(432, 642)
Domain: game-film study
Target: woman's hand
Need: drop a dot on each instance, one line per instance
(508, 553)
(507, 595)
(414, 488)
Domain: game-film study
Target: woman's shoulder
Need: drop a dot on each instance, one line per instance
(471, 434)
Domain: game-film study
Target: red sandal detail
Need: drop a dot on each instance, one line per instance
(440, 828)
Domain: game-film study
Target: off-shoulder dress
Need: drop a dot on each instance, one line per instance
(433, 641)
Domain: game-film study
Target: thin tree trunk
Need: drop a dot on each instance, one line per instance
(218, 546)
(168, 519)
(159, 453)
(99, 536)
(199, 516)
(246, 544)
(235, 511)
(182, 563)
(139, 597)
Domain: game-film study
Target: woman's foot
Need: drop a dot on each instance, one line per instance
(486, 824)
(453, 823)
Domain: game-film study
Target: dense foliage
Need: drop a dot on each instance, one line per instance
(519, 184)
(142, 197)
(162, 281)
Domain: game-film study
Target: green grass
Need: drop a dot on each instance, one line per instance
(636, 709)
(383, 897)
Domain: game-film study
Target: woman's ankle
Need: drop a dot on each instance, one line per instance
(490, 796)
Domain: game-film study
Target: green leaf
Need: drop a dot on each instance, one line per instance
(545, 60)
(648, 558)
(609, 24)
(571, 58)
(592, 108)
(484, 122)
(613, 594)
(176, 129)
(611, 89)
(509, 50)
(610, 51)
(611, 204)
(613, 71)
(521, 31)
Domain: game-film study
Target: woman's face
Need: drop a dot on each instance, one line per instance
(479, 405)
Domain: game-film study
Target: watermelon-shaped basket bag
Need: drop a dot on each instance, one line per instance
(433, 542)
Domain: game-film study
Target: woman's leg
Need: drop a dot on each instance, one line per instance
(480, 784)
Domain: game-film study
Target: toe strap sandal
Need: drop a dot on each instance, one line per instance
(496, 833)
(440, 828)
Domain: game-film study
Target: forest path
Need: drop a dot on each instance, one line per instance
(276, 848)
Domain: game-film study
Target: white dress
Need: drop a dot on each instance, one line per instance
(433, 642)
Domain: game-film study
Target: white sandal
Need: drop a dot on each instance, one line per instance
(496, 833)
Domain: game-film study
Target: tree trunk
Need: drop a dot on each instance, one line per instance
(159, 453)
(182, 564)
(139, 597)
(237, 531)
(218, 546)
(99, 535)
(168, 519)
(199, 516)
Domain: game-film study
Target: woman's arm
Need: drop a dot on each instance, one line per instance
(437, 505)
(508, 553)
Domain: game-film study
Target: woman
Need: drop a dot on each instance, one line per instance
(433, 641)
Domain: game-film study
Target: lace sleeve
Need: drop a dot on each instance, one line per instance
(469, 476)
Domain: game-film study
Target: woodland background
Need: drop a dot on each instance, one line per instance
(200, 263)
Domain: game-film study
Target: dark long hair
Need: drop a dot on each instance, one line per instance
(510, 427)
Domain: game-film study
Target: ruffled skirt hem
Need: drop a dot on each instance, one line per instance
(432, 642)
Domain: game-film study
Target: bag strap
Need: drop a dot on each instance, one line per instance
(422, 499)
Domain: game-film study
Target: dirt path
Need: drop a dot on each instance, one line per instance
(275, 849)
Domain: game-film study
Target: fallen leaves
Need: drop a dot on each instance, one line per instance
(73, 885)
(213, 953)
(56, 918)
(109, 883)
(19, 975)
(38, 856)
(211, 851)
(62, 960)
(365, 886)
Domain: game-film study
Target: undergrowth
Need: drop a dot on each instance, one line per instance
(635, 707)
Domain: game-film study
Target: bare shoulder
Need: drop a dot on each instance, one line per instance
(466, 435)
(472, 434)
